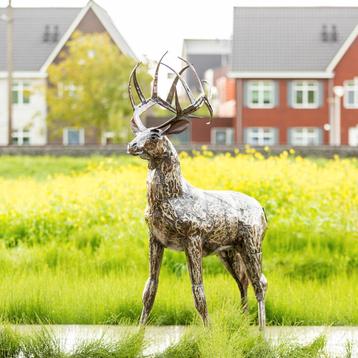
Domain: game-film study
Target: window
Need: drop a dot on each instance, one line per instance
(222, 136)
(351, 93)
(21, 92)
(21, 137)
(304, 136)
(261, 94)
(305, 94)
(108, 138)
(181, 138)
(68, 90)
(353, 136)
(73, 136)
(261, 136)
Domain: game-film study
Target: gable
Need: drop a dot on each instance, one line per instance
(91, 19)
(348, 63)
(348, 49)
(88, 24)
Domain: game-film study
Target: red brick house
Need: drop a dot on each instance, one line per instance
(293, 78)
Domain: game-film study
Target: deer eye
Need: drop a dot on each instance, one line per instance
(154, 136)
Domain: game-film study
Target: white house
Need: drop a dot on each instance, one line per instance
(39, 35)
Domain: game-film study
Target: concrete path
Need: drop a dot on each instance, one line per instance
(338, 338)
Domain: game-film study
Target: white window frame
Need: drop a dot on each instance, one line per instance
(20, 134)
(229, 135)
(351, 85)
(20, 86)
(353, 136)
(305, 136)
(107, 135)
(261, 86)
(305, 86)
(260, 133)
(69, 89)
(65, 135)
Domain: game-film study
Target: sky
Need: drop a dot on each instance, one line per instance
(153, 26)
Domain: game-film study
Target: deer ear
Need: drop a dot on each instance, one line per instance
(177, 126)
(134, 126)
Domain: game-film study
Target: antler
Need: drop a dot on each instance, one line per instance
(178, 112)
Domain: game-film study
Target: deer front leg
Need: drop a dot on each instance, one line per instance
(155, 259)
(194, 254)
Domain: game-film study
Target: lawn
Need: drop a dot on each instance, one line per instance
(74, 245)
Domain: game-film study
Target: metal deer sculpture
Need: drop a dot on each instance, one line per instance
(182, 217)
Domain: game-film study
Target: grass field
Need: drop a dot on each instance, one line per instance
(74, 245)
(226, 337)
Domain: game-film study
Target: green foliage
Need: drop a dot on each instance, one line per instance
(226, 338)
(231, 336)
(44, 344)
(89, 85)
(9, 343)
(74, 244)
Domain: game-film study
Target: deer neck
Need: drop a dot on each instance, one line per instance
(164, 178)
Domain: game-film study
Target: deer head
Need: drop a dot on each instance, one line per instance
(152, 143)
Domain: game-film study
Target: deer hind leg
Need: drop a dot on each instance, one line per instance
(234, 265)
(250, 251)
(194, 254)
(150, 290)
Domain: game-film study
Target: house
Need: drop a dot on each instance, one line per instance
(211, 59)
(289, 64)
(205, 54)
(39, 36)
(288, 68)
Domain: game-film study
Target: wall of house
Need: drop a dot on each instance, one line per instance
(89, 24)
(56, 132)
(347, 69)
(283, 116)
(31, 115)
(201, 131)
(3, 112)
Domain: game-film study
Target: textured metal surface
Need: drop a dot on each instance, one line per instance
(182, 217)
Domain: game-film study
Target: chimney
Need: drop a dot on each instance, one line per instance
(55, 34)
(324, 33)
(334, 34)
(51, 33)
(46, 35)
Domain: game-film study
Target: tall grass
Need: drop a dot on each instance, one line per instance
(228, 336)
(74, 245)
(115, 298)
(44, 344)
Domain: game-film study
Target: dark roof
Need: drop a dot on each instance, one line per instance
(205, 54)
(30, 51)
(288, 38)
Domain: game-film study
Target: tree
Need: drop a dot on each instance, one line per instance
(88, 86)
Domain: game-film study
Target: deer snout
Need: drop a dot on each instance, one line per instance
(132, 148)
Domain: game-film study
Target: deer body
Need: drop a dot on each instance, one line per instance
(182, 217)
(177, 211)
